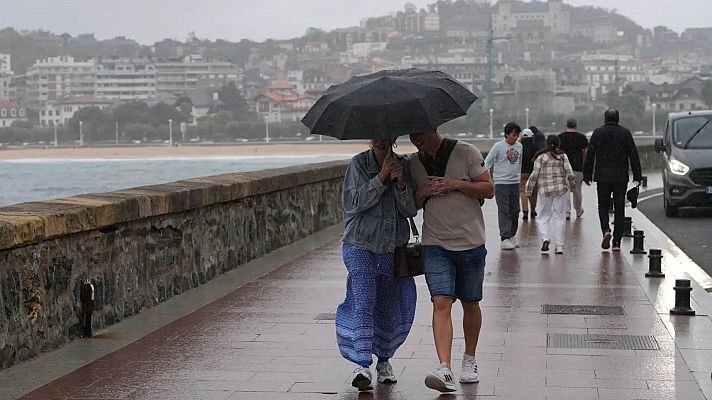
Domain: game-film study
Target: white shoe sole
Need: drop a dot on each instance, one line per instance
(476, 380)
(387, 379)
(362, 383)
(435, 383)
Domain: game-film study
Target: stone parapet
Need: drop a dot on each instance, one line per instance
(141, 246)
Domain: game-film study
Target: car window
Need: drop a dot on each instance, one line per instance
(693, 132)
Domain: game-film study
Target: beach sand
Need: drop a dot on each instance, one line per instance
(146, 152)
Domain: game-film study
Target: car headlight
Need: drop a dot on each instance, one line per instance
(678, 168)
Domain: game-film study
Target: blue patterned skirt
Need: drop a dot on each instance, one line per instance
(378, 311)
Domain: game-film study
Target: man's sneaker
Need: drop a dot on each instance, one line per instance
(441, 379)
(362, 379)
(515, 241)
(559, 250)
(469, 370)
(525, 215)
(534, 214)
(545, 246)
(616, 246)
(606, 243)
(507, 244)
(579, 213)
(385, 373)
(568, 215)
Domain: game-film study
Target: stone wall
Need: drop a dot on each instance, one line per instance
(142, 246)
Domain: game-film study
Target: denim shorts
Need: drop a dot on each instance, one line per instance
(455, 274)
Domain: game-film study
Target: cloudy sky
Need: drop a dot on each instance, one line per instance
(150, 20)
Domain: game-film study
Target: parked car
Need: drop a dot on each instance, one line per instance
(686, 147)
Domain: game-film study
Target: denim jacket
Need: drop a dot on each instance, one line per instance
(375, 213)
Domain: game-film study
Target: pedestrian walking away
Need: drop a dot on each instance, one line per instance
(554, 178)
(574, 144)
(377, 313)
(450, 180)
(611, 153)
(505, 160)
(529, 150)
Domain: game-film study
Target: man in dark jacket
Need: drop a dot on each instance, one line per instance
(530, 149)
(610, 153)
(574, 144)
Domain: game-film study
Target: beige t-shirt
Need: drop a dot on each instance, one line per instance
(453, 221)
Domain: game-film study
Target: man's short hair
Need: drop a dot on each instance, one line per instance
(611, 115)
(512, 127)
(571, 123)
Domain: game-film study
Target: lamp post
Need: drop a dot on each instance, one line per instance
(266, 128)
(55, 133)
(170, 132)
(491, 112)
(117, 132)
(81, 133)
(526, 112)
(655, 106)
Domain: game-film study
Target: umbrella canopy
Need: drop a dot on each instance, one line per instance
(388, 104)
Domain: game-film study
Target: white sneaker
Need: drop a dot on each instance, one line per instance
(559, 250)
(441, 379)
(507, 244)
(362, 379)
(515, 241)
(385, 373)
(469, 370)
(579, 213)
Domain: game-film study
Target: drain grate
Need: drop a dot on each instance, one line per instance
(581, 309)
(614, 342)
(325, 317)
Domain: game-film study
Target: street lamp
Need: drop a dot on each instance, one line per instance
(491, 112)
(266, 128)
(81, 134)
(655, 106)
(170, 131)
(55, 133)
(117, 133)
(526, 111)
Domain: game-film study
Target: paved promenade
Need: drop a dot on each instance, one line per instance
(264, 340)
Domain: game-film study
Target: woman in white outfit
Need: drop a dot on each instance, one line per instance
(554, 177)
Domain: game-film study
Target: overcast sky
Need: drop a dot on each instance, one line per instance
(150, 20)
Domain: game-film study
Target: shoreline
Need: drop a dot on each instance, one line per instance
(193, 151)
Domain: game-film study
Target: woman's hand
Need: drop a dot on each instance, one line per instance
(397, 177)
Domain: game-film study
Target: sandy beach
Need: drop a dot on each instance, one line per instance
(192, 151)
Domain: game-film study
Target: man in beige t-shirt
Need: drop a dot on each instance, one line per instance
(450, 179)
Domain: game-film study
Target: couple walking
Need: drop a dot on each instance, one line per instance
(447, 179)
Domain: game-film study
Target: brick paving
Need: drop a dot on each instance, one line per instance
(262, 341)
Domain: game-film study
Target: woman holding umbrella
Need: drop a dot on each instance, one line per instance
(377, 314)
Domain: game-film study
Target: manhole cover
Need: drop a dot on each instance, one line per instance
(581, 309)
(325, 317)
(615, 342)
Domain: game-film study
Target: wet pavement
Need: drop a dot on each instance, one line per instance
(264, 341)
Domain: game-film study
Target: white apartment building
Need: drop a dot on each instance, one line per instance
(124, 79)
(5, 64)
(11, 112)
(59, 112)
(6, 92)
(511, 14)
(606, 71)
(58, 77)
(364, 49)
(194, 72)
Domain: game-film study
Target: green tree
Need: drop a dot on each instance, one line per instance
(231, 96)
(707, 93)
(94, 123)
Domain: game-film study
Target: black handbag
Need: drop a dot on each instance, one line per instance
(408, 258)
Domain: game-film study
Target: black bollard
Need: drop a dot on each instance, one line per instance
(644, 182)
(682, 298)
(655, 266)
(628, 227)
(638, 237)
(86, 296)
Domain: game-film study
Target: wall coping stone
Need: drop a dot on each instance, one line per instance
(28, 223)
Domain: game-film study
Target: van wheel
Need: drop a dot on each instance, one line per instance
(670, 210)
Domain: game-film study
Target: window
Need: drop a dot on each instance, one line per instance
(22, 112)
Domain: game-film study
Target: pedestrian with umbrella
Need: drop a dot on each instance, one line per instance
(378, 197)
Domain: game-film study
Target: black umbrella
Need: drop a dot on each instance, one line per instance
(388, 104)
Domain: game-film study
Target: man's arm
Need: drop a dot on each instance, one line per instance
(634, 158)
(480, 187)
(590, 160)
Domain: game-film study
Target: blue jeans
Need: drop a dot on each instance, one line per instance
(455, 274)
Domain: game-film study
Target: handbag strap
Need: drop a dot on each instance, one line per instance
(414, 229)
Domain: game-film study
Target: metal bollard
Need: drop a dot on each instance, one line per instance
(644, 182)
(638, 237)
(86, 296)
(682, 298)
(655, 265)
(628, 227)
